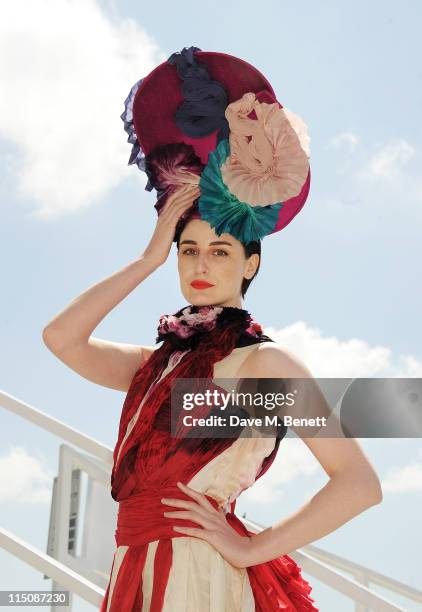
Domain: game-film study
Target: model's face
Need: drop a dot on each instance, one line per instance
(216, 260)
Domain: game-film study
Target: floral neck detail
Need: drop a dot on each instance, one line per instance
(185, 327)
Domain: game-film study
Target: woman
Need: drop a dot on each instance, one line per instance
(179, 544)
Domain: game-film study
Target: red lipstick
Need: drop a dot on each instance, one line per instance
(201, 284)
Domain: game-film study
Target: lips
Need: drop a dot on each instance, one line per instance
(201, 284)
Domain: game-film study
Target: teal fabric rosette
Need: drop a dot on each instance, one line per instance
(222, 209)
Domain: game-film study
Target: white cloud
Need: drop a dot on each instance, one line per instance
(412, 368)
(66, 69)
(379, 188)
(390, 161)
(348, 139)
(403, 479)
(390, 178)
(328, 356)
(23, 478)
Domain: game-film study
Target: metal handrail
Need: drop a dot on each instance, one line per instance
(49, 566)
(365, 574)
(56, 427)
(312, 559)
(368, 575)
(320, 569)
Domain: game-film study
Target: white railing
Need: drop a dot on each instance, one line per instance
(313, 560)
(57, 571)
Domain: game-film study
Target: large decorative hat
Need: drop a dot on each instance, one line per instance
(213, 120)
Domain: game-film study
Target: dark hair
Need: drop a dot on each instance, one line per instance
(250, 248)
(254, 246)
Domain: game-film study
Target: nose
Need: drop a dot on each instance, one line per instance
(200, 264)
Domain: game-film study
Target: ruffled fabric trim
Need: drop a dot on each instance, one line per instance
(224, 211)
(185, 328)
(277, 584)
(268, 160)
(137, 155)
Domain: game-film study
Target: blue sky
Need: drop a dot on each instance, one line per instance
(339, 286)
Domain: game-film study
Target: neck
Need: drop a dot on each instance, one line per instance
(230, 303)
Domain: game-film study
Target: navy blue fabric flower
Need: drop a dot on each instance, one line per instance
(206, 100)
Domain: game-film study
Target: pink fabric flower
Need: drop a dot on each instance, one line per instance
(268, 160)
(172, 323)
(189, 322)
(205, 317)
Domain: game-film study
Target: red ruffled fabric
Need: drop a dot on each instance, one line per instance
(277, 584)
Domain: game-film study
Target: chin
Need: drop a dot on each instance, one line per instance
(200, 298)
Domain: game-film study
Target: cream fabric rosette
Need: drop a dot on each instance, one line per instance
(268, 160)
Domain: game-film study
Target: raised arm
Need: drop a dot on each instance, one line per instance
(68, 334)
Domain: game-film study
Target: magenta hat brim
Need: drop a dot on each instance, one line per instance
(160, 94)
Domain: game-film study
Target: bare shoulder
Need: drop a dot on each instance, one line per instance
(272, 360)
(147, 351)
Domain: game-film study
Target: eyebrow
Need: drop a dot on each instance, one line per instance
(215, 242)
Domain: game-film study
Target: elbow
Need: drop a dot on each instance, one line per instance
(57, 341)
(51, 339)
(46, 335)
(378, 495)
(364, 488)
(372, 490)
(375, 494)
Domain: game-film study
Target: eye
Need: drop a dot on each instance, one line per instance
(186, 251)
(221, 251)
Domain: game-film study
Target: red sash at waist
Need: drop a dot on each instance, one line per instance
(276, 584)
(141, 519)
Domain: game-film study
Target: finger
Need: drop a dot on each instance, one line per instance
(176, 213)
(199, 497)
(205, 521)
(201, 534)
(174, 196)
(181, 188)
(186, 190)
(192, 507)
(172, 218)
(189, 194)
(181, 503)
(171, 208)
(182, 203)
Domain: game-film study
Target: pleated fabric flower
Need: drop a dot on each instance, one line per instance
(268, 160)
(224, 211)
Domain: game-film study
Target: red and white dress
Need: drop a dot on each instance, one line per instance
(156, 569)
